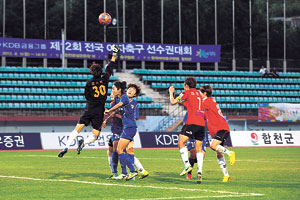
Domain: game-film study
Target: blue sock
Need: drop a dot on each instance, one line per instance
(130, 163)
(115, 159)
(123, 161)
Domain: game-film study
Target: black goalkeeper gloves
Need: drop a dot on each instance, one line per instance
(115, 50)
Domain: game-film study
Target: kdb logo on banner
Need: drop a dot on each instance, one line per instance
(58, 140)
(159, 139)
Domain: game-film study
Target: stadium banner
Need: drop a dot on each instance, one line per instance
(20, 141)
(58, 140)
(278, 112)
(167, 140)
(265, 138)
(35, 48)
(159, 139)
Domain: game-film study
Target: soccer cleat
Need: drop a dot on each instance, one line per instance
(189, 176)
(199, 176)
(232, 158)
(80, 146)
(110, 177)
(186, 170)
(144, 174)
(226, 178)
(120, 177)
(131, 175)
(114, 175)
(63, 152)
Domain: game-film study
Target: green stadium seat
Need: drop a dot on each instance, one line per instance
(50, 105)
(63, 105)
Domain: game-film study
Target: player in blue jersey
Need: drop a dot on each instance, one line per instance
(129, 130)
(116, 129)
(133, 91)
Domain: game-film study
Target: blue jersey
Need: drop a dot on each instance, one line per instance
(128, 115)
(116, 122)
(135, 107)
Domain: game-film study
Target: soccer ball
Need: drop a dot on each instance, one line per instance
(104, 19)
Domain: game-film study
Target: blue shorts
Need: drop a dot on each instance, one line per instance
(115, 137)
(116, 131)
(190, 144)
(128, 133)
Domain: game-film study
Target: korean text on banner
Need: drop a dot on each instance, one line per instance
(20, 141)
(34, 48)
(58, 140)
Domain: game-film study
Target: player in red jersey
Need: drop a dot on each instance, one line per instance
(195, 125)
(218, 129)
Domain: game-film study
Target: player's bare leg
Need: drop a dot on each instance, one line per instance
(71, 139)
(184, 154)
(92, 138)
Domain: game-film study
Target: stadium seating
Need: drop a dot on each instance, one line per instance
(50, 88)
(232, 89)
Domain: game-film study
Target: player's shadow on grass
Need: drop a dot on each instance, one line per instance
(170, 177)
(175, 178)
(77, 175)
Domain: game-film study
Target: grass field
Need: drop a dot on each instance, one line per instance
(259, 173)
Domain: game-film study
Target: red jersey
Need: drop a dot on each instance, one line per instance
(192, 101)
(214, 117)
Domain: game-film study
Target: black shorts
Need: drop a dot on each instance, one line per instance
(193, 131)
(93, 115)
(222, 135)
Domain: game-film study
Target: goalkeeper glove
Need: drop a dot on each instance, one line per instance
(116, 50)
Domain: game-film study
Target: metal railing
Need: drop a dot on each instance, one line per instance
(170, 120)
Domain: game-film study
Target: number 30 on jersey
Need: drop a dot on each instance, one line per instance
(99, 90)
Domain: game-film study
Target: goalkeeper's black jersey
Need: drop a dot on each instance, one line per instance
(96, 88)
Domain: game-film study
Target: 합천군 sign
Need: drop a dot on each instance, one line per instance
(35, 48)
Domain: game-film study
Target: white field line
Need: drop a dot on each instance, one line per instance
(133, 186)
(207, 160)
(196, 197)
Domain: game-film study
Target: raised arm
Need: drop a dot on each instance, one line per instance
(113, 108)
(173, 101)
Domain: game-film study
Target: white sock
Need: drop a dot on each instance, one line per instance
(110, 164)
(71, 138)
(185, 156)
(223, 150)
(223, 166)
(92, 138)
(138, 165)
(199, 156)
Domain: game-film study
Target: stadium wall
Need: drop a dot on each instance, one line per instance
(55, 141)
